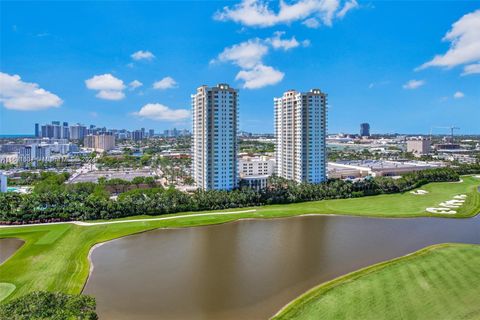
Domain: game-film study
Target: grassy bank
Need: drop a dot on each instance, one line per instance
(54, 257)
(438, 282)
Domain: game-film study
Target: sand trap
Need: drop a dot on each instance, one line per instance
(447, 206)
(478, 177)
(419, 192)
(441, 210)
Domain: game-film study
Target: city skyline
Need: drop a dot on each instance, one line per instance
(399, 78)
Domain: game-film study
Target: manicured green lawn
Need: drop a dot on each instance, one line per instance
(54, 257)
(439, 282)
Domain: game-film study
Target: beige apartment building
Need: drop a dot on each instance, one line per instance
(418, 145)
(100, 143)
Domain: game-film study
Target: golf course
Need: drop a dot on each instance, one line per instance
(54, 257)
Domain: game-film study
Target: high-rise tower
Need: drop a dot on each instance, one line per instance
(214, 137)
(300, 134)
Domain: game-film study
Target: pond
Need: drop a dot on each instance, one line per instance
(249, 269)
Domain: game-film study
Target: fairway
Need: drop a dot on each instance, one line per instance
(54, 257)
(439, 282)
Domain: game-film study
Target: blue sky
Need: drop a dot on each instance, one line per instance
(76, 61)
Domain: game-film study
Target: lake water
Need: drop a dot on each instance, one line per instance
(249, 269)
(8, 246)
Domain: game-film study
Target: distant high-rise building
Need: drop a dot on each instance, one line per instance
(138, 135)
(37, 130)
(418, 145)
(300, 135)
(78, 132)
(151, 133)
(364, 130)
(214, 137)
(100, 142)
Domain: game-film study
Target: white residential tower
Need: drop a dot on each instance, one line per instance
(214, 137)
(300, 134)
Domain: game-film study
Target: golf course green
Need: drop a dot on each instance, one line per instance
(438, 282)
(55, 256)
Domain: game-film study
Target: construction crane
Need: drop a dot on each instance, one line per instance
(451, 131)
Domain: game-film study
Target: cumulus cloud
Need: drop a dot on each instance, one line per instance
(160, 112)
(458, 95)
(108, 86)
(249, 55)
(165, 83)
(142, 55)
(413, 84)
(464, 38)
(257, 13)
(259, 77)
(246, 54)
(135, 84)
(25, 96)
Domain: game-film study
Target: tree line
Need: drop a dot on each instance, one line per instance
(52, 200)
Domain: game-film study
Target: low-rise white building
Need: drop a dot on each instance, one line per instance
(254, 171)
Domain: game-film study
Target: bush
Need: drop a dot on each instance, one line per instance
(42, 305)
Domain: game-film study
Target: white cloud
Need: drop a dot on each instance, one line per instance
(110, 95)
(25, 96)
(257, 13)
(458, 95)
(465, 45)
(104, 82)
(246, 54)
(108, 86)
(349, 5)
(260, 76)
(142, 55)
(135, 84)
(471, 69)
(165, 83)
(157, 111)
(312, 23)
(413, 84)
(286, 44)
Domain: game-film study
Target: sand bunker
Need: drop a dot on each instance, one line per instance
(419, 192)
(447, 206)
(441, 210)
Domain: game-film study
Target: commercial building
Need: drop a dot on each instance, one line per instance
(376, 168)
(254, 171)
(100, 142)
(364, 130)
(300, 134)
(418, 145)
(214, 137)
